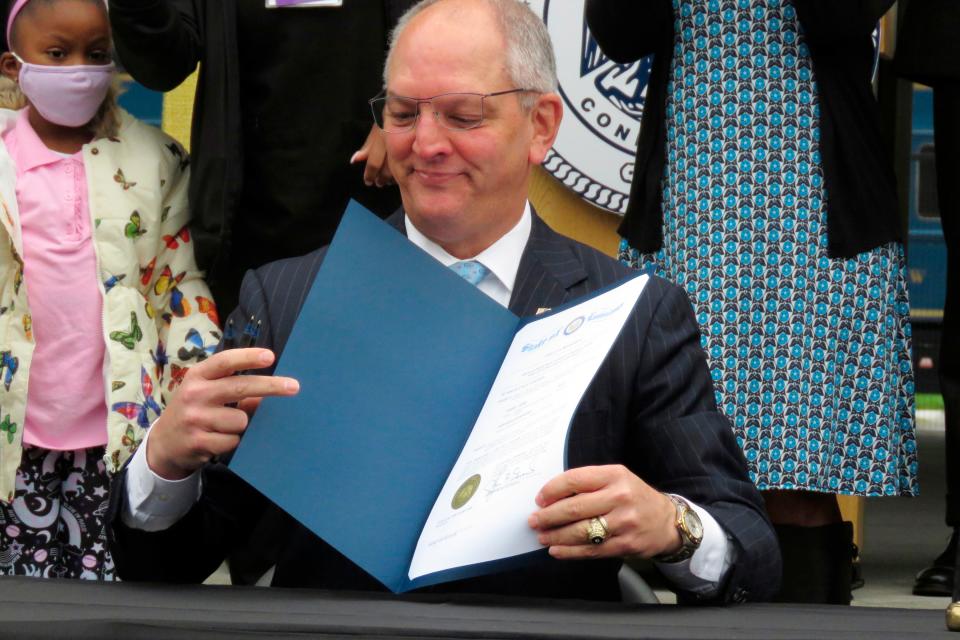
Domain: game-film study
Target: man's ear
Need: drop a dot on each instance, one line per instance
(545, 117)
(10, 66)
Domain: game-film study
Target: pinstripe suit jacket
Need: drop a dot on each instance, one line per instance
(651, 408)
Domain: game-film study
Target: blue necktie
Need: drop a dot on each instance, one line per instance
(470, 270)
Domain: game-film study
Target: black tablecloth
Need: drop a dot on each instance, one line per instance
(34, 608)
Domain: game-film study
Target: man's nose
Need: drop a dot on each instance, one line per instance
(430, 137)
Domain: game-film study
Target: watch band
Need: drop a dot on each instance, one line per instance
(689, 542)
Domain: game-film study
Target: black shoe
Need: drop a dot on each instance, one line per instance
(937, 580)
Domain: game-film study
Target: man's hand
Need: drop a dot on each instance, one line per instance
(374, 152)
(640, 520)
(197, 424)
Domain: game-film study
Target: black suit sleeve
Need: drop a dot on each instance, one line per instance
(159, 42)
(628, 30)
(683, 445)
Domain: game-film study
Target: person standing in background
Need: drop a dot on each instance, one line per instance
(928, 51)
(280, 112)
(762, 187)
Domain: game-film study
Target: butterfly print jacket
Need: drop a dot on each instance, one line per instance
(158, 317)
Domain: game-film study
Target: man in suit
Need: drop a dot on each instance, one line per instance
(486, 112)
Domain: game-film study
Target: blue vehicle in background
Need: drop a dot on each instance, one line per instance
(926, 251)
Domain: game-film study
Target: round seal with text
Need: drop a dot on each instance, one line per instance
(603, 100)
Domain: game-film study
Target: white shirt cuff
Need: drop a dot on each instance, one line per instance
(154, 503)
(703, 572)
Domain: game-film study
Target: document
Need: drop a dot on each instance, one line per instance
(429, 416)
(518, 442)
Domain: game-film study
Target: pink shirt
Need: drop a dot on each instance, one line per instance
(66, 400)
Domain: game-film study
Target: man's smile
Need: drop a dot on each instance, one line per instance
(436, 178)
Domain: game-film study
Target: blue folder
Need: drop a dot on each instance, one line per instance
(395, 355)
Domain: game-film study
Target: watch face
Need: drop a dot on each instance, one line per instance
(693, 525)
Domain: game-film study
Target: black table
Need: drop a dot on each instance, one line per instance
(35, 608)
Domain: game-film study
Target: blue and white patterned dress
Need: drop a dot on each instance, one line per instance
(810, 355)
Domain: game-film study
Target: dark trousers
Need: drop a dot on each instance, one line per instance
(946, 118)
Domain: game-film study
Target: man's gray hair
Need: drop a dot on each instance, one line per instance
(529, 55)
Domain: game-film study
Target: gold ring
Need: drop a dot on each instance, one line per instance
(597, 530)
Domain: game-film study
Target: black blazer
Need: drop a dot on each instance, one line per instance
(651, 407)
(858, 174)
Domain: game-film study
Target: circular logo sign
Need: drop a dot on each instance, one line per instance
(603, 101)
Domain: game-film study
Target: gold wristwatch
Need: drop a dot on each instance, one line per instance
(690, 528)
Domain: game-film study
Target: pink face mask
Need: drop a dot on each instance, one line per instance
(68, 95)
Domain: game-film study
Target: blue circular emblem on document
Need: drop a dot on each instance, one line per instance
(575, 324)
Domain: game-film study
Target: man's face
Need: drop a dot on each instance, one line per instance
(463, 189)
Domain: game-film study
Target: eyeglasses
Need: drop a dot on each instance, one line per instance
(455, 111)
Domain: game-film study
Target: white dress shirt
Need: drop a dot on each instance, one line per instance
(154, 503)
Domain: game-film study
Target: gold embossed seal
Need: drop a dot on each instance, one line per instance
(466, 491)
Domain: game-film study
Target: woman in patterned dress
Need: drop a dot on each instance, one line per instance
(761, 186)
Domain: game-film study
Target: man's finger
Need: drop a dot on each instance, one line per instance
(610, 548)
(580, 507)
(226, 363)
(218, 444)
(236, 388)
(574, 481)
(226, 420)
(575, 531)
(249, 405)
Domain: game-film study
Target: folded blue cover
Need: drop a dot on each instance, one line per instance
(395, 355)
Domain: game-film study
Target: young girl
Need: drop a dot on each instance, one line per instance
(97, 276)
